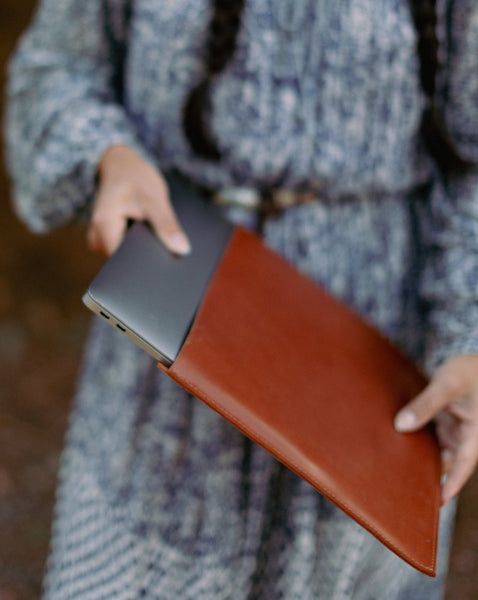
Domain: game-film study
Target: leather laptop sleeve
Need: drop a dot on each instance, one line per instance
(303, 376)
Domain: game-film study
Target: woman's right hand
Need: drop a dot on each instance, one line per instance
(131, 188)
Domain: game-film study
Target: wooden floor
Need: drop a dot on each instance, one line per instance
(42, 328)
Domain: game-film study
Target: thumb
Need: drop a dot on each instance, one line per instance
(439, 393)
(161, 215)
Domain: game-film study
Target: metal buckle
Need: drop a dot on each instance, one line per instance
(248, 198)
(252, 199)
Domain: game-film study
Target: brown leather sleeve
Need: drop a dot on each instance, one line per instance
(303, 376)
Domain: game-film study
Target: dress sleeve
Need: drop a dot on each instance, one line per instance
(64, 107)
(449, 283)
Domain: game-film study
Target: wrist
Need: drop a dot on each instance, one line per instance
(118, 156)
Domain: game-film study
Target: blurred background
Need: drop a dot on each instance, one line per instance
(42, 328)
(43, 325)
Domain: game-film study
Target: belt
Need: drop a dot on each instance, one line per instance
(275, 199)
(261, 204)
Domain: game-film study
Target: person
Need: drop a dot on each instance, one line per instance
(370, 106)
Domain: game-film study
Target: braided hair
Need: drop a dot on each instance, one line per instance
(220, 46)
(433, 129)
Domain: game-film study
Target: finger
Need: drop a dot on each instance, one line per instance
(464, 462)
(447, 459)
(162, 217)
(93, 240)
(106, 231)
(111, 212)
(112, 235)
(440, 392)
(105, 237)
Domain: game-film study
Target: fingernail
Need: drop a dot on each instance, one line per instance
(446, 460)
(405, 420)
(445, 497)
(179, 244)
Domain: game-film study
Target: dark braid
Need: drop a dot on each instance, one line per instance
(220, 46)
(433, 129)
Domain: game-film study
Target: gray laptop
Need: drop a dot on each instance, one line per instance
(152, 296)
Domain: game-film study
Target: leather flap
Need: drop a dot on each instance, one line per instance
(303, 376)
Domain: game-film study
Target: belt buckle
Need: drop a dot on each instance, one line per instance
(243, 197)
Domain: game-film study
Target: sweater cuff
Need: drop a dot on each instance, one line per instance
(67, 196)
(444, 346)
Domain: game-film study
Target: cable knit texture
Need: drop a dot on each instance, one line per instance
(160, 498)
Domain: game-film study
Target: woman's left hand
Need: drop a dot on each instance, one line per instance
(451, 401)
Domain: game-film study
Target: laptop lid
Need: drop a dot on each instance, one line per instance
(150, 295)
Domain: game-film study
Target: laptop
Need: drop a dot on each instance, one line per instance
(150, 295)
